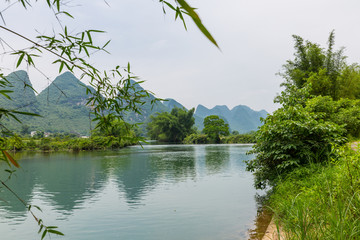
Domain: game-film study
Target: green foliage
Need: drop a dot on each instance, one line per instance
(15, 143)
(214, 127)
(240, 138)
(325, 71)
(66, 144)
(196, 138)
(173, 126)
(345, 112)
(292, 136)
(320, 202)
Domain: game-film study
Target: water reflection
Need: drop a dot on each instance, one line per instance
(133, 174)
(216, 158)
(178, 188)
(67, 179)
(64, 179)
(263, 217)
(175, 163)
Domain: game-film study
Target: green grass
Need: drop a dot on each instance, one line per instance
(321, 201)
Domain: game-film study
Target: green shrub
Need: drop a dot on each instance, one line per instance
(240, 138)
(291, 137)
(196, 139)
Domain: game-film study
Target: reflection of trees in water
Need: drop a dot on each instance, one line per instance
(134, 175)
(65, 179)
(23, 185)
(263, 217)
(138, 172)
(216, 158)
(71, 179)
(68, 179)
(175, 163)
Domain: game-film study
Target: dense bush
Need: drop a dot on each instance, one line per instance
(344, 112)
(289, 138)
(240, 138)
(196, 138)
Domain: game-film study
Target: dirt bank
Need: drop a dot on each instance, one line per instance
(272, 233)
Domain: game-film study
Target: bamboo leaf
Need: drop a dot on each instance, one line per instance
(20, 59)
(55, 232)
(27, 113)
(61, 67)
(44, 234)
(195, 17)
(11, 159)
(66, 13)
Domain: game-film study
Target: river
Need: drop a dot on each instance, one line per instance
(172, 192)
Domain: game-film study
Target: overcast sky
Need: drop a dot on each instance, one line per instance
(254, 37)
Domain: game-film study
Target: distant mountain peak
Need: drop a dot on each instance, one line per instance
(241, 118)
(172, 103)
(66, 88)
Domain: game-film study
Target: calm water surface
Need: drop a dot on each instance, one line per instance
(192, 192)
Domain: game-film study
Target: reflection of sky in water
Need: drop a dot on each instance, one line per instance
(154, 192)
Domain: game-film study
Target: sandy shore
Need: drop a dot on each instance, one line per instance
(272, 232)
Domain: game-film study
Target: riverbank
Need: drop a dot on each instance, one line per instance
(52, 144)
(273, 232)
(319, 201)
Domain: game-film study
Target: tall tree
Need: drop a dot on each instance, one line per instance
(173, 126)
(314, 65)
(215, 127)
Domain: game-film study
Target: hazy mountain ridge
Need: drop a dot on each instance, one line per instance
(63, 107)
(23, 97)
(240, 118)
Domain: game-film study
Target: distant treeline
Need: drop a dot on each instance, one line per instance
(67, 143)
(178, 127)
(71, 142)
(233, 138)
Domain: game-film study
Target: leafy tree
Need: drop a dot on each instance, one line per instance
(173, 126)
(324, 70)
(215, 127)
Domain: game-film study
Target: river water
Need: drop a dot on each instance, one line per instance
(172, 192)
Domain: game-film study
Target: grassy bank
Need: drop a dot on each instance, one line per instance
(65, 144)
(320, 201)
